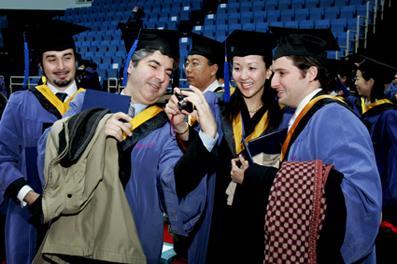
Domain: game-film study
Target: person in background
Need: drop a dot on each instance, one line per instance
(87, 75)
(323, 129)
(235, 207)
(204, 64)
(380, 116)
(25, 117)
(343, 71)
(391, 90)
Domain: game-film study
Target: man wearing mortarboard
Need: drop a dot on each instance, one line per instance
(26, 116)
(204, 64)
(324, 129)
(147, 150)
(380, 115)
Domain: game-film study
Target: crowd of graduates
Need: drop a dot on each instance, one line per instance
(293, 162)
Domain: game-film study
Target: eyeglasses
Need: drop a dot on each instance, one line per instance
(193, 64)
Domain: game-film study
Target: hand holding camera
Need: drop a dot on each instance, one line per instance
(193, 103)
(183, 103)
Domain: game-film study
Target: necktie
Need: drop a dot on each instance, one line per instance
(61, 96)
(131, 110)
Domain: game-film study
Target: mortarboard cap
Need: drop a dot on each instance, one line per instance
(303, 42)
(166, 41)
(48, 35)
(55, 35)
(211, 49)
(376, 69)
(243, 43)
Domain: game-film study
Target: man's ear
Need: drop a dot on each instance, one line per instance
(214, 69)
(130, 67)
(312, 73)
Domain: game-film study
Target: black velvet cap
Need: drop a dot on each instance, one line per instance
(211, 49)
(303, 42)
(166, 41)
(242, 43)
(52, 35)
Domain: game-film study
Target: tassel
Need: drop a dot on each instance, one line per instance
(26, 62)
(226, 95)
(127, 62)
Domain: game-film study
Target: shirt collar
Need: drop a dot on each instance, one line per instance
(212, 87)
(70, 90)
(301, 105)
(138, 107)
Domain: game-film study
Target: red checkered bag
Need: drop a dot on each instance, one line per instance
(295, 212)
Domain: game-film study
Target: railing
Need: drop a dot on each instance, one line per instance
(16, 82)
(347, 49)
(114, 84)
(83, 2)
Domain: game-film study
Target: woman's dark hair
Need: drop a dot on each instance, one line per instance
(370, 71)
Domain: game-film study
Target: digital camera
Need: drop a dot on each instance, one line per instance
(184, 104)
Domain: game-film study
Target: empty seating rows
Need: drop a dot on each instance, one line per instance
(104, 45)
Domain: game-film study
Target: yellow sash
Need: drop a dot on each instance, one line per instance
(144, 116)
(365, 108)
(298, 119)
(238, 131)
(62, 107)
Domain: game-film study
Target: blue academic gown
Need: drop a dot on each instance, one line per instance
(382, 126)
(336, 136)
(150, 189)
(20, 128)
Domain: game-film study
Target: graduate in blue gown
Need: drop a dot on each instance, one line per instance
(329, 132)
(149, 150)
(380, 116)
(25, 117)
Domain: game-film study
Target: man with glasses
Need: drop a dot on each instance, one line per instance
(203, 65)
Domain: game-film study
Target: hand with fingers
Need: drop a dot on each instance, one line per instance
(118, 126)
(202, 111)
(175, 115)
(239, 166)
